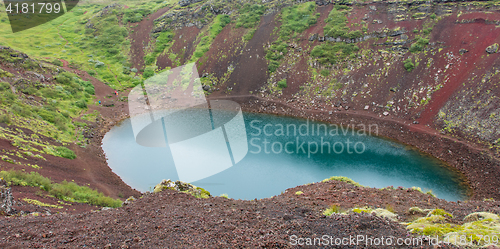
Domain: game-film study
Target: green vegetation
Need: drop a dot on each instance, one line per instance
(41, 204)
(440, 212)
(294, 19)
(479, 227)
(334, 209)
(419, 44)
(219, 22)
(334, 53)
(65, 152)
(297, 18)
(282, 84)
(250, 15)
(135, 15)
(299, 192)
(163, 41)
(342, 179)
(61, 101)
(408, 64)
(336, 24)
(67, 191)
(325, 72)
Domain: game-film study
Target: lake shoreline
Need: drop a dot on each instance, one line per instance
(458, 155)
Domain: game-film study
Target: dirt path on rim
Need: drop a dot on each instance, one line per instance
(140, 38)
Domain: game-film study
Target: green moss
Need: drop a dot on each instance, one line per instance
(334, 209)
(440, 212)
(299, 192)
(342, 179)
(39, 203)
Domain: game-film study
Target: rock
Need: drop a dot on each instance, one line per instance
(182, 187)
(385, 113)
(367, 107)
(416, 122)
(373, 8)
(321, 39)
(477, 216)
(313, 37)
(463, 51)
(206, 87)
(6, 199)
(129, 200)
(108, 103)
(184, 3)
(492, 48)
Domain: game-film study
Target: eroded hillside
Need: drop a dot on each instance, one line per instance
(429, 63)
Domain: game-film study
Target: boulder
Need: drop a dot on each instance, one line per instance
(6, 199)
(492, 48)
(313, 37)
(182, 187)
(184, 3)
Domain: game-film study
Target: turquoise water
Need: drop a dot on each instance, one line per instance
(282, 154)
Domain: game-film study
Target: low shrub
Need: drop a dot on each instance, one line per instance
(282, 84)
(67, 191)
(4, 86)
(4, 119)
(65, 152)
(408, 64)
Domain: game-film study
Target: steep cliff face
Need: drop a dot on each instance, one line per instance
(427, 62)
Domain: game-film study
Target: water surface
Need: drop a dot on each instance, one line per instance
(278, 159)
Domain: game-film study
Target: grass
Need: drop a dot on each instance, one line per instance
(65, 152)
(163, 41)
(336, 24)
(334, 53)
(67, 191)
(207, 38)
(294, 20)
(102, 48)
(250, 15)
(61, 102)
(419, 43)
(282, 84)
(408, 64)
(297, 18)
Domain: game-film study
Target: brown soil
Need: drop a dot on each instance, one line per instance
(140, 38)
(177, 220)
